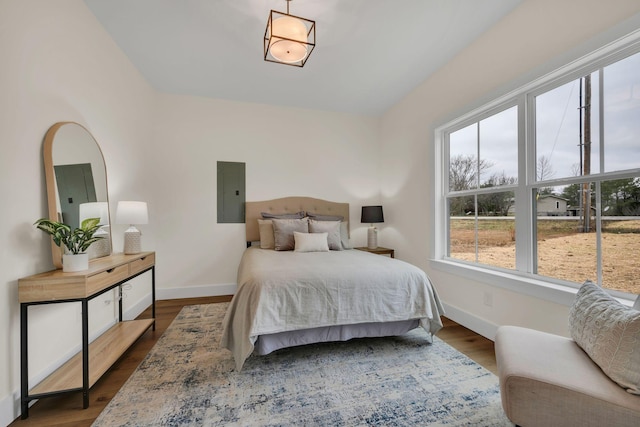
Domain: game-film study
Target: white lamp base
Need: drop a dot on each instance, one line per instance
(102, 247)
(372, 238)
(132, 241)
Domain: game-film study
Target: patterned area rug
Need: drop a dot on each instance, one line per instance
(186, 379)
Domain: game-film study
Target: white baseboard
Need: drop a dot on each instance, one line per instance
(9, 408)
(470, 321)
(137, 309)
(197, 291)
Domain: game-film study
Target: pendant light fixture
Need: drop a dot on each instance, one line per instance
(289, 39)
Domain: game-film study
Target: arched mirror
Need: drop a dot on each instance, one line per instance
(76, 178)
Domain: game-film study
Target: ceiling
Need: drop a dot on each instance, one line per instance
(369, 53)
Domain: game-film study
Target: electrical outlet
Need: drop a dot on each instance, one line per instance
(488, 299)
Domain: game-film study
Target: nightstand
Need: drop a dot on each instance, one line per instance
(379, 250)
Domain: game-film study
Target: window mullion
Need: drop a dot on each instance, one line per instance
(598, 233)
(475, 228)
(523, 225)
(477, 157)
(601, 119)
(599, 266)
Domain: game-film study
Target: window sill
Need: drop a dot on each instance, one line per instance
(548, 291)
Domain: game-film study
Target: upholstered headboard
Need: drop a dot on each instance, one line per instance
(253, 211)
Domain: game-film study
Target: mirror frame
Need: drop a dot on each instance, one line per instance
(50, 178)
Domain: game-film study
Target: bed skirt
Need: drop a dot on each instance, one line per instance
(266, 344)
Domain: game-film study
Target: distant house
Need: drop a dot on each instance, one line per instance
(552, 205)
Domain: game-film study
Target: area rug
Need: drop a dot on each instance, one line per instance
(187, 379)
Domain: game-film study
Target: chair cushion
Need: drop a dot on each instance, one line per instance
(547, 380)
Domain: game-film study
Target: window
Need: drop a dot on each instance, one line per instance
(481, 168)
(559, 161)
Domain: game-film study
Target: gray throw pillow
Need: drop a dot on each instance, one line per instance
(609, 332)
(332, 228)
(283, 232)
(344, 235)
(269, 215)
(319, 217)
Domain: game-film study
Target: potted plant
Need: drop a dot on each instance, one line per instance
(75, 242)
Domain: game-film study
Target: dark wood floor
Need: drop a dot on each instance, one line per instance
(66, 410)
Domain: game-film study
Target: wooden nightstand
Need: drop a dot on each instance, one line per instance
(379, 250)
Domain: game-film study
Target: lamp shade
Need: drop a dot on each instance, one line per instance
(372, 214)
(95, 210)
(132, 213)
(288, 39)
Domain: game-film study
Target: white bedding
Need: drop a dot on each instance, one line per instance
(283, 291)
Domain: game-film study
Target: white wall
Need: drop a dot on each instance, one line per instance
(58, 64)
(537, 37)
(287, 151)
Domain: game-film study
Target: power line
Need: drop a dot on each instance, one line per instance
(564, 114)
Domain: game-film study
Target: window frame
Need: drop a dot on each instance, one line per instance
(522, 279)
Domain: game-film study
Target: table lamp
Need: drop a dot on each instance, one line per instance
(132, 213)
(372, 214)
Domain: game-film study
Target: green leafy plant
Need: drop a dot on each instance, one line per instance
(77, 240)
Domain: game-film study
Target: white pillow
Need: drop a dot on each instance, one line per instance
(311, 242)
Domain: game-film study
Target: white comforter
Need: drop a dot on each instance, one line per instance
(284, 291)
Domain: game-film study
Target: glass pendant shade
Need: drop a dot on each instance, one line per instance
(288, 39)
(282, 45)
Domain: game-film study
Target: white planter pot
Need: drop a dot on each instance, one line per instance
(75, 262)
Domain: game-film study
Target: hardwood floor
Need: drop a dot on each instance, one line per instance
(66, 410)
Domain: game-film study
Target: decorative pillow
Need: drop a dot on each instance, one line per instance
(332, 228)
(318, 217)
(297, 215)
(266, 234)
(311, 242)
(344, 235)
(283, 232)
(609, 333)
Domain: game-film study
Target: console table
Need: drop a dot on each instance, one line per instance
(53, 287)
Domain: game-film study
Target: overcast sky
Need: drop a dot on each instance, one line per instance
(558, 126)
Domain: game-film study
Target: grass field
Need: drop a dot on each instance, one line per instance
(563, 251)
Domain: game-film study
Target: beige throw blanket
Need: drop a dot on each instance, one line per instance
(285, 291)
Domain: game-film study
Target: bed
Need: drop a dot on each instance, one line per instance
(287, 298)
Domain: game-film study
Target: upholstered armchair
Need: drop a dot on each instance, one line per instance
(590, 380)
